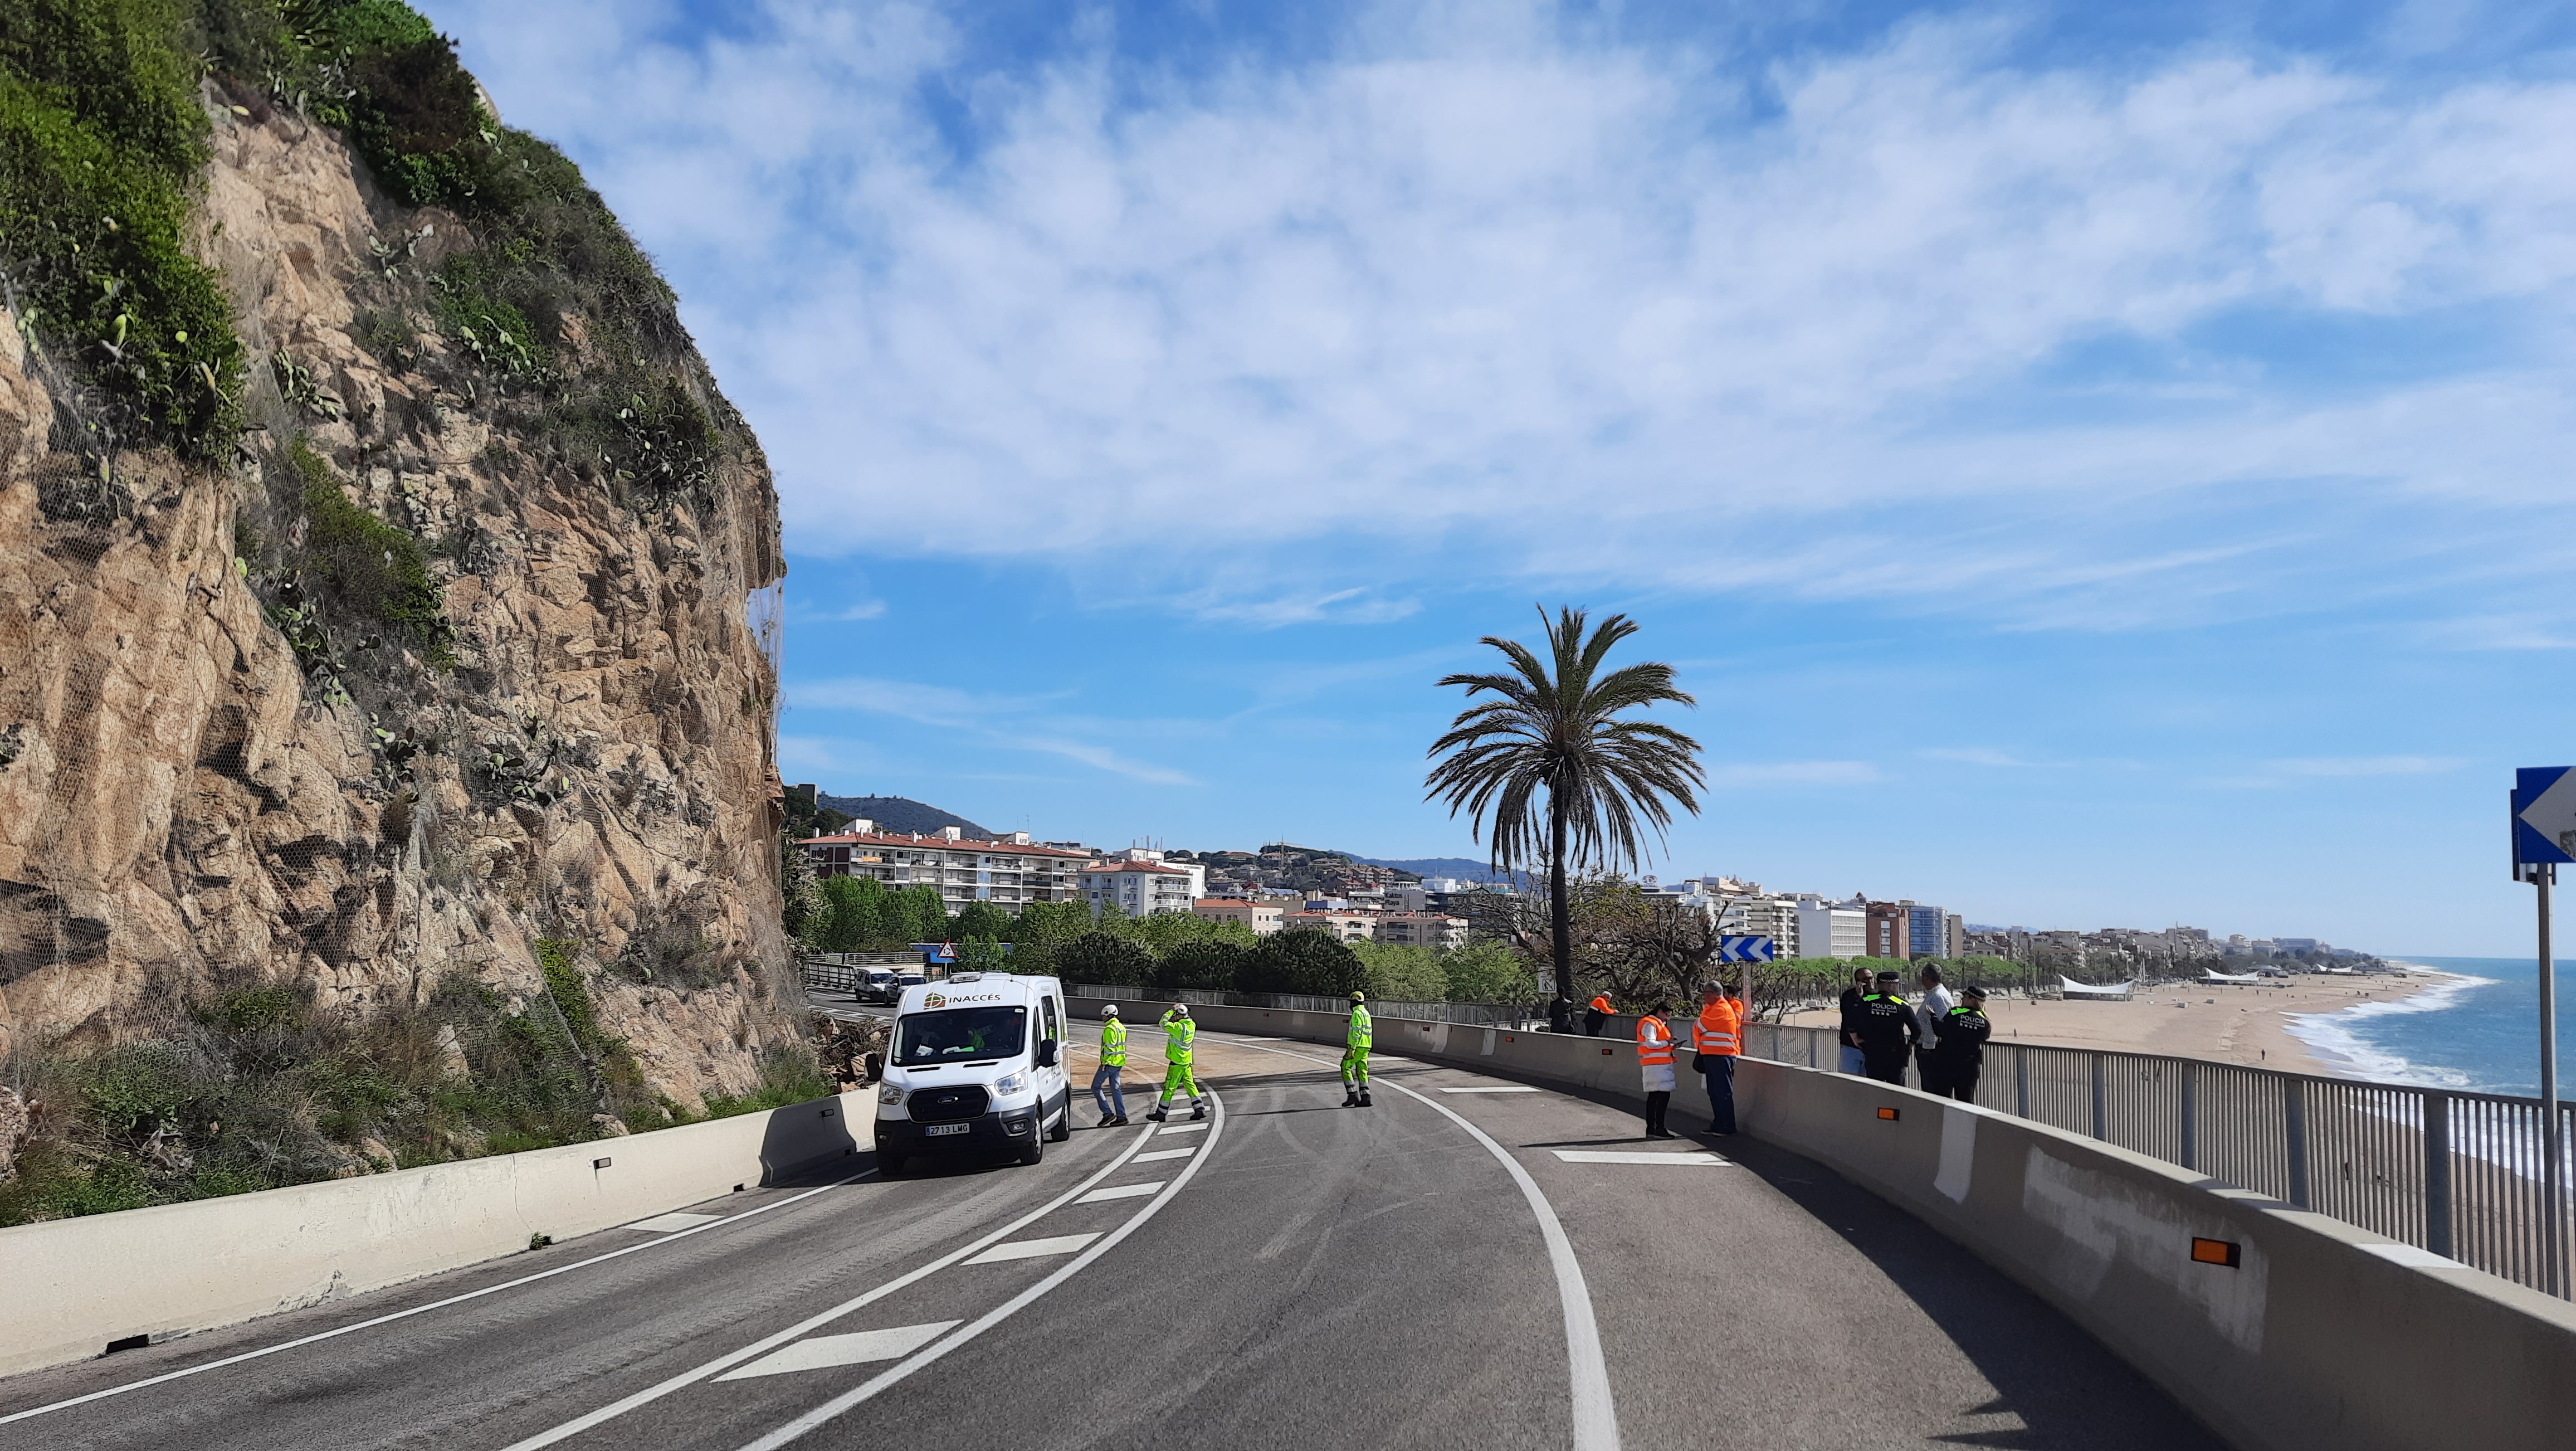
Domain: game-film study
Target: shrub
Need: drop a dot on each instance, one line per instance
(1487, 972)
(1402, 974)
(1104, 957)
(1207, 963)
(374, 572)
(1303, 960)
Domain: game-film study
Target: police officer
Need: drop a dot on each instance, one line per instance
(1848, 1057)
(1964, 1031)
(1179, 1036)
(1106, 1091)
(1887, 1031)
(1355, 1053)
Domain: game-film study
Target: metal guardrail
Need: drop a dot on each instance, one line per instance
(2459, 1174)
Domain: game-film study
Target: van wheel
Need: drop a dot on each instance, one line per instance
(1063, 1129)
(1037, 1145)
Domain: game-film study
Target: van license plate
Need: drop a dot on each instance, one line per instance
(935, 1130)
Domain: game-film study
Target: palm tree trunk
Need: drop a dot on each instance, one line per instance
(1560, 930)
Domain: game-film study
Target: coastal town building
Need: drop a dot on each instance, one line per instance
(1437, 931)
(1009, 873)
(1141, 888)
(1344, 926)
(1830, 929)
(1262, 917)
(1889, 932)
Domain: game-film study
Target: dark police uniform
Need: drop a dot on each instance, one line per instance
(1887, 1035)
(1962, 1051)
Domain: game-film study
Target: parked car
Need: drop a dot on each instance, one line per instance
(877, 985)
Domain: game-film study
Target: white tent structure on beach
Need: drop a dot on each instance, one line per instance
(2117, 992)
(2214, 975)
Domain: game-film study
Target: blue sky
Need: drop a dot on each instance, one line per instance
(2095, 466)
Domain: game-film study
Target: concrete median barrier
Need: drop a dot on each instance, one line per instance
(72, 1286)
(2284, 1330)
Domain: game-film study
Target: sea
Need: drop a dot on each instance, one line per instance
(2477, 1029)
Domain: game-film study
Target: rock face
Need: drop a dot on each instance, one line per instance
(190, 801)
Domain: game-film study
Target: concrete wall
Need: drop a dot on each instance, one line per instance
(2322, 1337)
(73, 1285)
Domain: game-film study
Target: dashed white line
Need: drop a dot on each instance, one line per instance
(1181, 1129)
(1165, 1154)
(1635, 1156)
(1123, 1191)
(673, 1237)
(1034, 1249)
(826, 1352)
(1514, 1088)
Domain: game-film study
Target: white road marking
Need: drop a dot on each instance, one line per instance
(1516, 1088)
(1035, 1249)
(1634, 1156)
(675, 1235)
(1595, 1414)
(665, 1223)
(823, 1352)
(1165, 1154)
(1181, 1129)
(1123, 1191)
(772, 1341)
(826, 1412)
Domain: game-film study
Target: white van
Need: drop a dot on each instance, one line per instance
(976, 1063)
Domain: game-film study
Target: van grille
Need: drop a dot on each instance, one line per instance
(947, 1105)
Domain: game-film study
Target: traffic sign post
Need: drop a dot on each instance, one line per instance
(2543, 822)
(1746, 950)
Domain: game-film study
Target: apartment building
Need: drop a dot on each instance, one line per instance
(1831, 929)
(1927, 932)
(1141, 888)
(1262, 917)
(1435, 930)
(1345, 926)
(1009, 873)
(1762, 914)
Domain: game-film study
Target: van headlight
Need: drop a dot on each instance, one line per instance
(889, 1093)
(1010, 1083)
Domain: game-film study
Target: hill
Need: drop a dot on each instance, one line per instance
(900, 813)
(1465, 868)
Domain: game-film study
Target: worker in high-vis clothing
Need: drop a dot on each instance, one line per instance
(1718, 1040)
(1655, 1061)
(1180, 1035)
(1106, 1090)
(1355, 1051)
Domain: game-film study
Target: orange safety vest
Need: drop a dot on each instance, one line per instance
(1720, 1028)
(1654, 1042)
(1602, 1006)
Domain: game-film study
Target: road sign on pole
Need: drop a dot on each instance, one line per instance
(2544, 816)
(2544, 835)
(1744, 949)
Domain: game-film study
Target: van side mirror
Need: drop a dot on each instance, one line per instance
(1046, 1053)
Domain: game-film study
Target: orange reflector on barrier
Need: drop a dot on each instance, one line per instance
(2214, 1251)
(1887, 1113)
(1605, 1052)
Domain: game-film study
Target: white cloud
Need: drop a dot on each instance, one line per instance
(1006, 721)
(1465, 296)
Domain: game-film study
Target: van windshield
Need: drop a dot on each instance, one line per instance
(959, 1035)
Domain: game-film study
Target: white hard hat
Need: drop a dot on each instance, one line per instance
(1181, 1008)
(1110, 1011)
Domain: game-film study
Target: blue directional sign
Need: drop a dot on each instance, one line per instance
(1744, 949)
(2544, 815)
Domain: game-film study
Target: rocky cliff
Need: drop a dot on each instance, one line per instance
(440, 663)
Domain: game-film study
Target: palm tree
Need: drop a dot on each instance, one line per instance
(1556, 728)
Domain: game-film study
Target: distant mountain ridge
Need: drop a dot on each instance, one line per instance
(901, 814)
(1464, 868)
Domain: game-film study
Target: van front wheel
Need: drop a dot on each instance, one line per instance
(1037, 1143)
(1063, 1129)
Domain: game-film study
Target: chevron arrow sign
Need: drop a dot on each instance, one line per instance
(1744, 949)
(2544, 815)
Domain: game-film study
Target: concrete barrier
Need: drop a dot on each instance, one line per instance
(2284, 1330)
(74, 1285)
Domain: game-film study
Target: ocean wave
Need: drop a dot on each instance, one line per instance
(2335, 1039)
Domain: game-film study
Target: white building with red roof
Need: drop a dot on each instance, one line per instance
(1009, 873)
(1141, 885)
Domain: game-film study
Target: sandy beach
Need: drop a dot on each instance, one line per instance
(2229, 1023)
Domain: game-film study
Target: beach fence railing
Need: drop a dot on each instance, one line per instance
(1480, 1014)
(2460, 1174)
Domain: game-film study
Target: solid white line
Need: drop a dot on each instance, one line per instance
(665, 1223)
(825, 1412)
(433, 1305)
(1166, 1154)
(1033, 1249)
(1596, 1416)
(830, 1352)
(686, 1378)
(1516, 1088)
(1633, 1156)
(1123, 1191)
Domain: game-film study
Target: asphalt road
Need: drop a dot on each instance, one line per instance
(1289, 1274)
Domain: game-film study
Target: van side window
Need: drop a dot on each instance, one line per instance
(1052, 1030)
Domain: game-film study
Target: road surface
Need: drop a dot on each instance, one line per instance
(1471, 1261)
